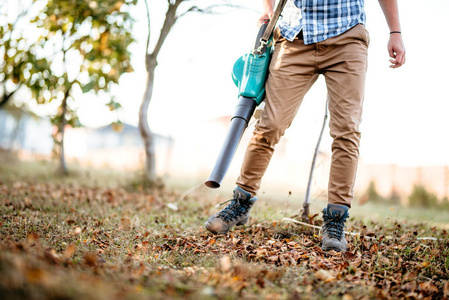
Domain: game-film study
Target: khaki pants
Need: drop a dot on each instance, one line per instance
(293, 70)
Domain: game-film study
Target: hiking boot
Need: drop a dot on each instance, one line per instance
(333, 235)
(235, 213)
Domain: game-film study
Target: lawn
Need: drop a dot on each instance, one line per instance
(101, 234)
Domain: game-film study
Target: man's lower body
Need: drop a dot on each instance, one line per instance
(294, 68)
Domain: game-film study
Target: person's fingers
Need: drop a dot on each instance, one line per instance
(398, 61)
(394, 63)
(391, 52)
(400, 57)
(263, 19)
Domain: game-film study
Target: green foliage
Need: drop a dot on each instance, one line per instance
(444, 205)
(372, 194)
(394, 198)
(85, 43)
(420, 197)
(17, 56)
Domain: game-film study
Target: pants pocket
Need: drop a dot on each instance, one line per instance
(277, 36)
(363, 34)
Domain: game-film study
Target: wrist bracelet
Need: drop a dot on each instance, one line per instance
(395, 32)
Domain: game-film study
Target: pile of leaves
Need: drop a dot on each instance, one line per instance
(65, 241)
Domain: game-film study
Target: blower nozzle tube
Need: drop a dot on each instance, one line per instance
(239, 122)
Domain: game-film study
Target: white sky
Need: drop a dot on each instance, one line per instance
(405, 112)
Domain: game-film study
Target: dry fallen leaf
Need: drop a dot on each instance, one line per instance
(273, 258)
(446, 289)
(428, 287)
(260, 253)
(91, 259)
(32, 238)
(77, 231)
(347, 297)
(126, 223)
(68, 253)
(356, 263)
(409, 276)
(36, 275)
(225, 263)
(51, 256)
(324, 275)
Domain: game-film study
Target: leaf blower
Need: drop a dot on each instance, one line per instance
(249, 75)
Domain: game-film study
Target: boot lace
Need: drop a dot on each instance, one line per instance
(234, 210)
(334, 227)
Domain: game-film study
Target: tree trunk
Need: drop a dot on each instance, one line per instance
(15, 133)
(4, 100)
(62, 163)
(144, 127)
(151, 63)
(7, 97)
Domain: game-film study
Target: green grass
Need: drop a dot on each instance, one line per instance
(104, 234)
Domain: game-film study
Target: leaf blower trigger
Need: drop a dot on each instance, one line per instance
(249, 75)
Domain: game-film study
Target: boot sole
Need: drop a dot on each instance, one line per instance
(332, 248)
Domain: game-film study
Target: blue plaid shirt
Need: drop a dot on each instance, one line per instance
(320, 19)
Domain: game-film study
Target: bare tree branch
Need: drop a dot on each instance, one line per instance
(149, 27)
(306, 204)
(209, 9)
(170, 20)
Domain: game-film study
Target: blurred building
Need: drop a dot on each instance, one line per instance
(25, 132)
(114, 146)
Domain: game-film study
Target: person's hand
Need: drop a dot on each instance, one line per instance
(396, 50)
(265, 17)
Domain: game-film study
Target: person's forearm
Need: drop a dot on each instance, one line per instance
(390, 10)
(268, 5)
